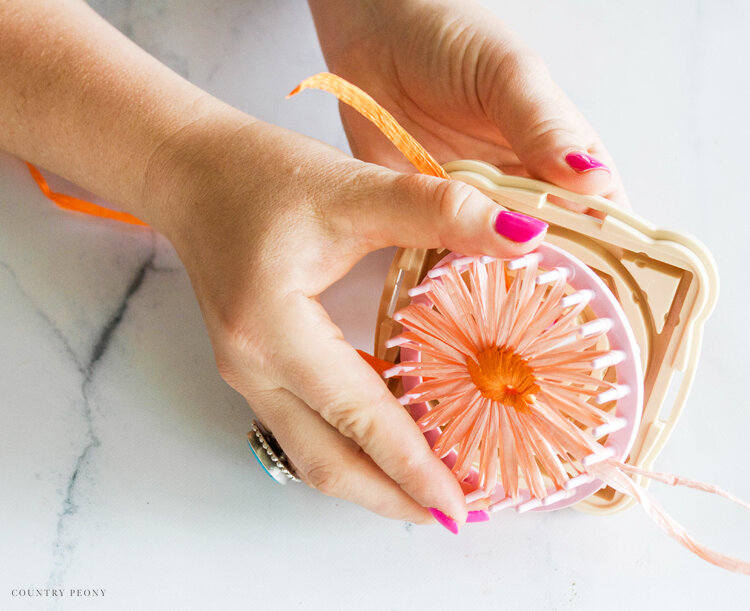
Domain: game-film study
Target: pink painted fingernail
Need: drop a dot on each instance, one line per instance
(480, 515)
(581, 162)
(444, 520)
(518, 227)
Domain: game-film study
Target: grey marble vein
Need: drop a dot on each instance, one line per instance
(59, 335)
(62, 547)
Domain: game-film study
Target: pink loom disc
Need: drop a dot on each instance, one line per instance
(620, 337)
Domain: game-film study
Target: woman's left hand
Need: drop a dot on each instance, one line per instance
(465, 86)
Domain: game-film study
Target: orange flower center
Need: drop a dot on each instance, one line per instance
(503, 376)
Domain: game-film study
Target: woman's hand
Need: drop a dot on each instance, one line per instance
(265, 220)
(463, 84)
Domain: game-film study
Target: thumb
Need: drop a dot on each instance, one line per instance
(419, 211)
(546, 131)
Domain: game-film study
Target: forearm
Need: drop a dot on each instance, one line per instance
(79, 98)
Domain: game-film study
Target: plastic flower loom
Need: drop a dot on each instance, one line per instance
(551, 379)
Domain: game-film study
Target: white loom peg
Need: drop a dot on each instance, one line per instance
(615, 357)
(582, 296)
(522, 262)
(398, 340)
(558, 495)
(609, 427)
(423, 288)
(529, 505)
(600, 325)
(553, 275)
(600, 456)
(475, 496)
(577, 481)
(618, 391)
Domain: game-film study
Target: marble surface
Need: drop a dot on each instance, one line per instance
(123, 462)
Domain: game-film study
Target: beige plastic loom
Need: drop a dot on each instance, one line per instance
(666, 282)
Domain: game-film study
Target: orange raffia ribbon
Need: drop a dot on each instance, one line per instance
(383, 120)
(68, 202)
(377, 364)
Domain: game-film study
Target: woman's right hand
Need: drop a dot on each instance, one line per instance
(265, 220)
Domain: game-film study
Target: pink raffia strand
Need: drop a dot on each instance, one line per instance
(466, 332)
(611, 473)
(677, 480)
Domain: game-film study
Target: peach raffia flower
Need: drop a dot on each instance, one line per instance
(508, 363)
(515, 372)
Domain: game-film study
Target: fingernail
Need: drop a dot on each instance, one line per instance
(518, 227)
(444, 520)
(581, 162)
(479, 515)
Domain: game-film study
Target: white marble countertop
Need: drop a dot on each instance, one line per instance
(124, 464)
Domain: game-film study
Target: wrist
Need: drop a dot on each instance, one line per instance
(183, 170)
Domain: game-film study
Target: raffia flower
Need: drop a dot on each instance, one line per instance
(508, 366)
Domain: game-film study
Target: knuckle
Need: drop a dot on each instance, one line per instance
(241, 352)
(227, 369)
(351, 420)
(550, 129)
(327, 478)
(410, 470)
(455, 200)
(357, 186)
(417, 188)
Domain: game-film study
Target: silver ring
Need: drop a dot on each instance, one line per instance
(269, 454)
